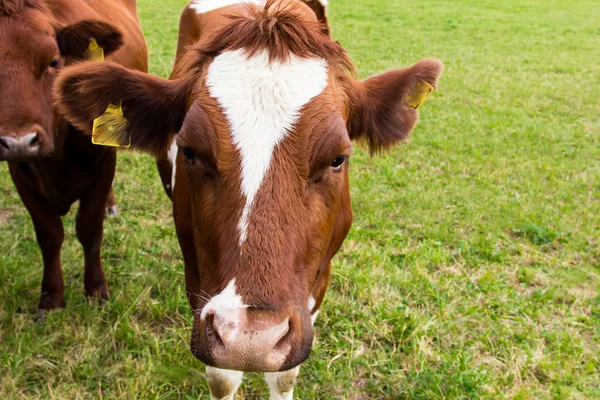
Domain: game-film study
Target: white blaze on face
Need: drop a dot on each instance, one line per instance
(226, 303)
(324, 3)
(262, 101)
(204, 6)
(173, 159)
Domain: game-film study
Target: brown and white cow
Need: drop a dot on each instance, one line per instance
(266, 107)
(51, 163)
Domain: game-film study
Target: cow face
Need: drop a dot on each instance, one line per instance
(32, 50)
(263, 159)
(261, 196)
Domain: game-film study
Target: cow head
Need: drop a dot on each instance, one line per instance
(33, 47)
(265, 118)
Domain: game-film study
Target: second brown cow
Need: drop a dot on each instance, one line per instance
(51, 163)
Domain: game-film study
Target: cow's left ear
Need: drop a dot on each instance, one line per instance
(383, 108)
(74, 40)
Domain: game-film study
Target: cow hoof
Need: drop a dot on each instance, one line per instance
(100, 293)
(48, 303)
(112, 211)
(40, 315)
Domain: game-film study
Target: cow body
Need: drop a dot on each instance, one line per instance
(51, 163)
(258, 119)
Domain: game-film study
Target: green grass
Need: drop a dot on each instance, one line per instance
(473, 266)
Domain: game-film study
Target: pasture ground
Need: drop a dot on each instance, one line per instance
(472, 269)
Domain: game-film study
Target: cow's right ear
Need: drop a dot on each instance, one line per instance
(153, 107)
(383, 108)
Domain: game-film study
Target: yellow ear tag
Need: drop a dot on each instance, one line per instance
(94, 52)
(110, 129)
(417, 96)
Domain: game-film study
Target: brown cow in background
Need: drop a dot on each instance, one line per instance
(263, 107)
(51, 163)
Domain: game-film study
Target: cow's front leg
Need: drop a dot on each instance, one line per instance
(90, 220)
(281, 384)
(223, 383)
(50, 234)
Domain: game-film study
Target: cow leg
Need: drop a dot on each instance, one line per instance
(223, 383)
(89, 224)
(281, 384)
(50, 235)
(90, 220)
(111, 204)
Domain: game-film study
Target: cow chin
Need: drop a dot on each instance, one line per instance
(252, 340)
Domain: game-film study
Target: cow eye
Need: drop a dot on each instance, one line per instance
(190, 156)
(338, 162)
(54, 63)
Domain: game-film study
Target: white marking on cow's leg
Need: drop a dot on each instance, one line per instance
(223, 383)
(262, 101)
(281, 384)
(173, 159)
(324, 3)
(225, 302)
(204, 6)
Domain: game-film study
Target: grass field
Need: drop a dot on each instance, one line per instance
(473, 266)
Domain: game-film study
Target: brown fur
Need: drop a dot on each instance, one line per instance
(302, 212)
(281, 29)
(12, 7)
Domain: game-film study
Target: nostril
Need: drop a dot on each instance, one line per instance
(212, 335)
(284, 343)
(4, 143)
(34, 140)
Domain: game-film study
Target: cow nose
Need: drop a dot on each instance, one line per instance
(19, 148)
(249, 340)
